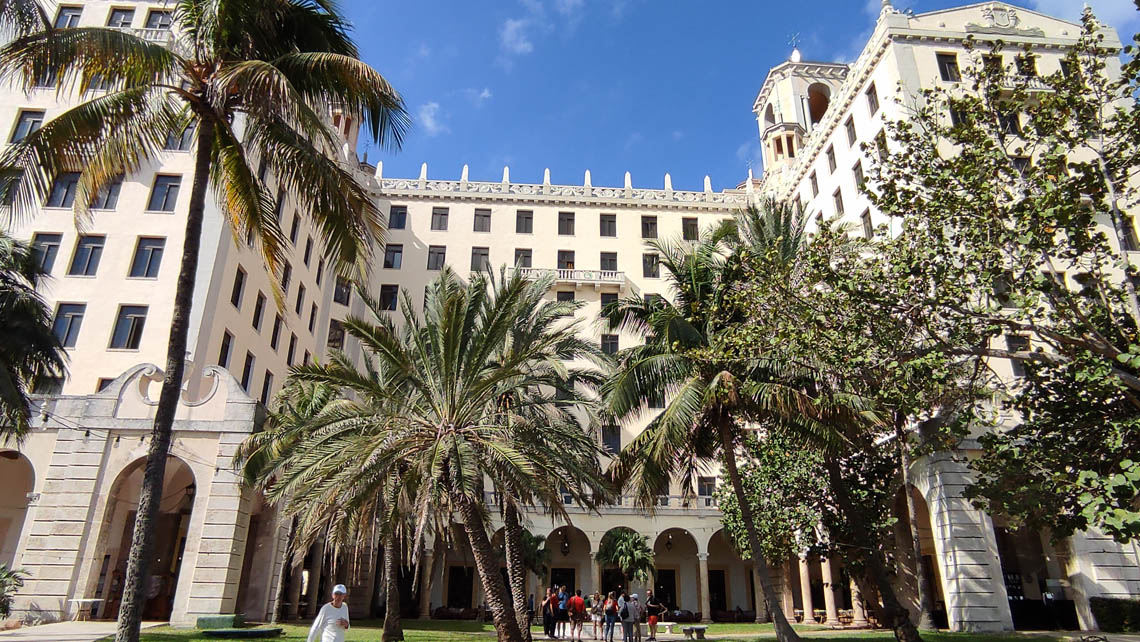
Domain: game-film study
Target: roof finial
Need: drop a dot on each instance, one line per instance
(887, 6)
(546, 176)
(586, 179)
(463, 174)
(794, 41)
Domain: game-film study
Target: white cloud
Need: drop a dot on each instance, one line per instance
(513, 37)
(1120, 14)
(478, 96)
(568, 7)
(431, 119)
(423, 51)
(751, 155)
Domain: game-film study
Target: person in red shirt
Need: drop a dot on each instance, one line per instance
(577, 608)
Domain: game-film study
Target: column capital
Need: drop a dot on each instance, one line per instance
(703, 557)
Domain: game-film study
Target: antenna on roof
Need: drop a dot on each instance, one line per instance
(794, 42)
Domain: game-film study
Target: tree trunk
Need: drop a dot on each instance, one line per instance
(516, 570)
(498, 600)
(142, 540)
(895, 614)
(393, 629)
(784, 630)
(925, 605)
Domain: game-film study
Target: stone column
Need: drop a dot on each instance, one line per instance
(425, 583)
(805, 589)
(596, 566)
(829, 593)
(789, 600)
(293, 610)
(859, 611)
(316, 566)
(703, 577)
(758, 597)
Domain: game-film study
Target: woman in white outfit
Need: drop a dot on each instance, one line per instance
(332, 620)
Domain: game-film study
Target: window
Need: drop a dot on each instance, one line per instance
(389, 294)
(690, 231)
(611, 438)
(1027, 66)
(129, 327)
(292, 352)
(609, 343)
(1020, 164)
(851, 134)
(63, 190)
(279, 209)
(437, 257)
(799, 203)
(650, 267)
(258, 311)
(47, 79)
(656, 399)
(860, 179)
(1067, 69)
(266, 384)
(227, 347)
(46, 247)
(300, 298)
(68, 319)
(294, 228)
(312, 317)
(439, 218)
(814, 185)
(1010, 122)
(148, 257)
(566, 223)
(522, 257)
(482, 220)
(1128, 243)
(398, 217)
(308, 251)
(121, 18)
(68, 17)
(872, 99)
(393, 256)
(706, 490)
(652, 300)
(948, 67)
(27, 122)
(158, 19)
(308, 358)
(480, 259)
(336, 335)
(565, 295)
(609, 261)
(181, 141)
(881, 145)
(108, 196)
(993, 64)
(957, 116)
(565, 260)
(608, 298)
(524, 222)
(1003, 289)
(88, 251)
(838, 198)
(1017, 343)
(648, 227)
(831, 165)
(320, 271)
(275, 336)
(238, 288)
(103, 382)
(607, 225)
(247, 371)
(164, 194)
(286, 277)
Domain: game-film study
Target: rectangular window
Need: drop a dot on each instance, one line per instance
(266, 385)
(247, 371)
(1027, 66)
(294, 228)
(564, 296)
(148, 257)
(300, 298)
(850, 127)
(1017, 343)
(129, 327)
(868, 228)
(312, 317)
(609, 261)
(799, 203)
(609, 343)
(948, 67)
(238, 288)
(566, 223)
(1010, 122)
(437, 257)
(320, 271)
(439, 218)
(838, 198)
(690, 231)
(872, 99)
(180, 141)
(307, 359)
(611, 438)
(393, 256)
(814, 185)
(524, 222)
(648, 227)
(68, 17)
(121, 18)
(286, 277)
(336, 335)
(46, 246)
(88, 251)
(650, 266)
(63, 190)
(656, 399)
(279, 209)
(342, 291)
(608, 298)
(291, 353)
(565, 259)
(308, 251)
(275, 336)
(1021, 165)
(860, 179)
(482, 220)
(1129, 242)
(226, 349)
(28, 121)
(957, 116)
(706, 490)
(108, 196)
(398, 217)
(522, 258)
(480, 259)
(68, 319)
(993, 64)
(831, 165)
(651, 300)
(158, 19)
(258, 311)
(881, 145)
(607, 224)
(389, 295)
(164, 194)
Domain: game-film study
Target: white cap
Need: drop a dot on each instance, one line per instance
(339, 588)
(634, 596)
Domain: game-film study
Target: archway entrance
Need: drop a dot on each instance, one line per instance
(570, 555)
(729, 579)
(676, 584)
(170, 539)
(1039, 594)
(18, 481)
(926, 563)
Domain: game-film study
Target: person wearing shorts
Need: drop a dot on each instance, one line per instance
(563, 614)
(576, 607)
(595, 607)
(654, 608)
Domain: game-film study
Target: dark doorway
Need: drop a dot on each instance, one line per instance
(666, 587)
(613, 580)
(460, 586)
(409, 598)
(718, 596)
(563, 577)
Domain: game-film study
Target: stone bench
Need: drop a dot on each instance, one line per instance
(699, 631)
(242, 634)
(668, 626)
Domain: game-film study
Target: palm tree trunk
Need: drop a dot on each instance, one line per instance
(516, 570)
(393, 629)
(784, 630)
(498, 600)
(142, 540)
(925, 607)
(895, 614)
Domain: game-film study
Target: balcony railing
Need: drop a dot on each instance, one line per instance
(575, 276)
(629, 502)
(157, 36)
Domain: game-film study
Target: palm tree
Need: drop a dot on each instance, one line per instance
(30, 349)
(249, 78)
(21, 17)
(628, 551)
(714, 392)
(11, 580)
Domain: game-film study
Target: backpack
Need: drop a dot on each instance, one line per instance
(624, 611)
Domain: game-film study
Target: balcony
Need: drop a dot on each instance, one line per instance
(163, 37)
(576, 277)
(627, 504)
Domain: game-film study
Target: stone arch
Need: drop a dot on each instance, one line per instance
(921, 565)
(730, 579)
(769, 116)
(571, 559)
(18, 479)
(819, 99)
(678, 570)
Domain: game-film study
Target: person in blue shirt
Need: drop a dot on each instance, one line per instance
(563, 610)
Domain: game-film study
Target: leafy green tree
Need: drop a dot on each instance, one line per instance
(11, 580)
(30, 349)
(250, 78)
(628, 551)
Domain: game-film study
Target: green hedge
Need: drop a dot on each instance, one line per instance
(1114, 615)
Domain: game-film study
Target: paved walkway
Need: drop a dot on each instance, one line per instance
(66, 632)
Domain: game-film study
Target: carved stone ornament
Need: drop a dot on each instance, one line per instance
(1002, 20)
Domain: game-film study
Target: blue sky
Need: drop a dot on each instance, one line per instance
(644, 86)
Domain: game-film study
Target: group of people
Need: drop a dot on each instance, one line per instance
(564, 615)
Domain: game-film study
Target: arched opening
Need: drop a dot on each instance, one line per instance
(570, 559)
(171, 528)
(1035, 582)
(675, 555)
(926, 564)
(769, 116)
(819, 98)
(18, 480)
(731, 591)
